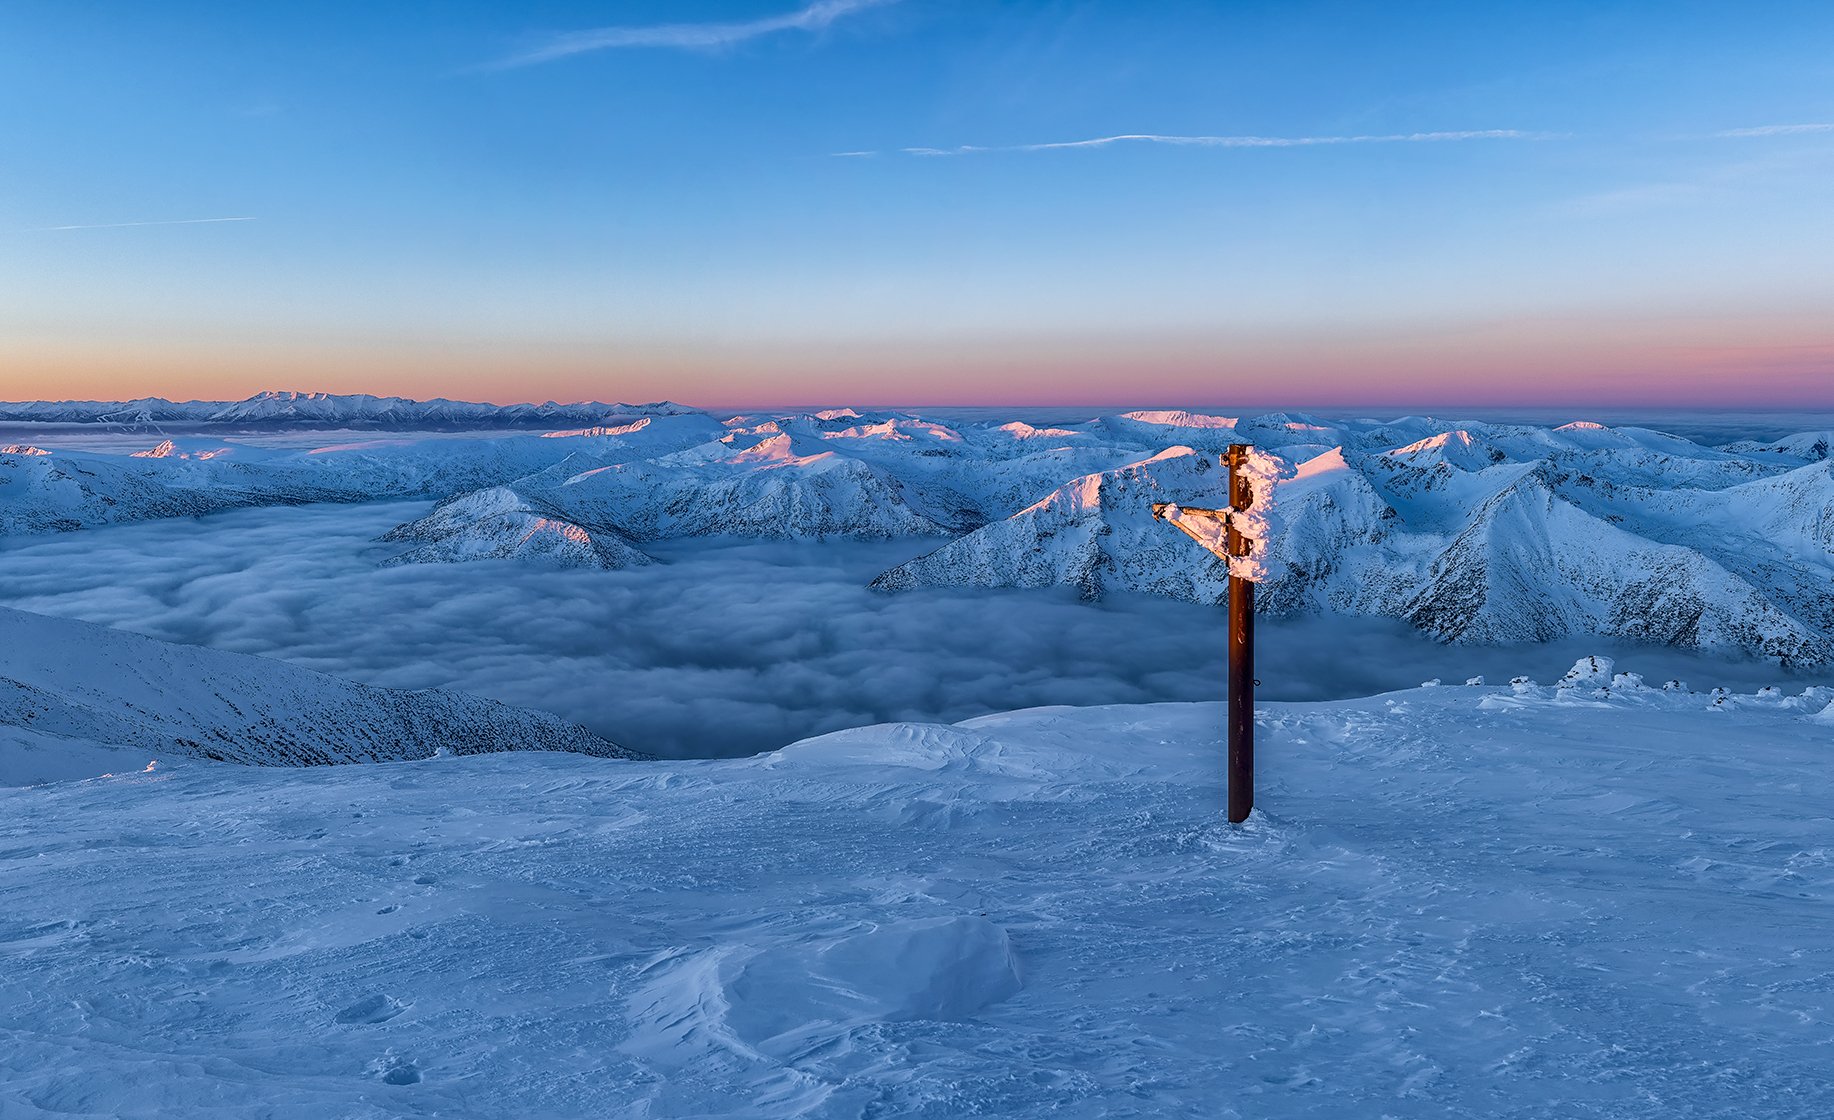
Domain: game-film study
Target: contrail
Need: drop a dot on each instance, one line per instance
(691, 36)
(124, 225)
(1776, 130)
(1237, 141)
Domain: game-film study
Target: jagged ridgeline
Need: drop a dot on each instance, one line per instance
(73, 688)
(1472, 532)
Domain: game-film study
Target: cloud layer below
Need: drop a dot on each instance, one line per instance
(724, 649)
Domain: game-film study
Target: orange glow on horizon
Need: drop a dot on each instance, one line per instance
(1677, 361)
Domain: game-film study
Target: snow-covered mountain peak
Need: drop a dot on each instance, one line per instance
(1457, 449)
(1803, 447)
(599, 431)
(1176, 418)
(1183, 467)
(749, 449)
(782, 451)
(900, 430)
(1020, 430)
(500, 523)
(1286, 422)
(1321, 466)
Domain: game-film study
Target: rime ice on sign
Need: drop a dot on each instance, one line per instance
(1260, 522)
(1258, 525)
(1209, 528)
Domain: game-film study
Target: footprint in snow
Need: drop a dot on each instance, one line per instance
(372, 1009)
(394, 1070)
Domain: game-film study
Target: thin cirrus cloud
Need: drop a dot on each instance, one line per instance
(128, 225)
(1227, 141)
(691, 36)
(1775, 130)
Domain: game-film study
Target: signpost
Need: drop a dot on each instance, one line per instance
(1203, 525)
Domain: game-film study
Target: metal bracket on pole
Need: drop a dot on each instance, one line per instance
(1202, 525)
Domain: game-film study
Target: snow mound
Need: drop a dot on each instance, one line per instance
(927, 968)
(1588, 672)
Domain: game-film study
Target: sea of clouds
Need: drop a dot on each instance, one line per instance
(726, 648)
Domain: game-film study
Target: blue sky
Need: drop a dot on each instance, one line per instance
(1460, 202)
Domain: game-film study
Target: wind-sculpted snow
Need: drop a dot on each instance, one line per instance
(1472, 531)
(1591, 899)
(69, 690)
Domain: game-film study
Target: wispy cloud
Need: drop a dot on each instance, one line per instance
(1775, 130)
(691, 36)
(125, 225)
(1231, 141)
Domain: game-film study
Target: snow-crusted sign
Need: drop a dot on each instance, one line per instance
(1255, 524)
(1241, 535)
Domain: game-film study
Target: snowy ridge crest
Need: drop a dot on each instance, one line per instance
(73, 694)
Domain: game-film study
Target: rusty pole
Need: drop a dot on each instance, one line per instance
(1241, 652)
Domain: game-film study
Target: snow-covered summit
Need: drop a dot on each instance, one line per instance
(1577, 899)
(501, 524)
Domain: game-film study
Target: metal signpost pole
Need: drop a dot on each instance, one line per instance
(1241, 652)
(1202, 526)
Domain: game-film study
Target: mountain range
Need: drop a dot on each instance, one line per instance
(1470, 531)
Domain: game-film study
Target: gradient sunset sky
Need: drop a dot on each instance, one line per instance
(921, 201)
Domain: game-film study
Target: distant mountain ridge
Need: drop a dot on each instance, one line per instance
(1470, 531)
(352, 410)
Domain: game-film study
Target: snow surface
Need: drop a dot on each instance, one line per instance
(1452, 902)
